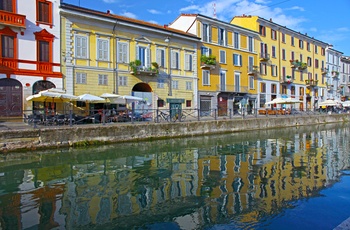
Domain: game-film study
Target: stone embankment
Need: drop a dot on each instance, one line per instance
(84, 135)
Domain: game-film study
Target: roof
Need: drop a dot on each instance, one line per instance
(216, 20)
(278, 25)
(108, 15)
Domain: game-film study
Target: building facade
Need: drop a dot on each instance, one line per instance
(291, 64)
(107, 53)
(344, 78)
(227, 67)
(333, 77)
(30, 53)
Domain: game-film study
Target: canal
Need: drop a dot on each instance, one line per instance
(293, 178)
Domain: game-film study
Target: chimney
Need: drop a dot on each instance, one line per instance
(108, 11)
(270, 19)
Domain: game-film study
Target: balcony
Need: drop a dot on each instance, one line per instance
(264, 56)
(329, 87)
(137, 69)
(12, 19)
(335, 74)
(208, 62)
(310, 83)
(286, 80)
(298, 65)
(324, 71)
(8, 64)
(253, 70)
(232, 88)
(44, 67)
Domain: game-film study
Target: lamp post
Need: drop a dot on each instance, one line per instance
(167, 40)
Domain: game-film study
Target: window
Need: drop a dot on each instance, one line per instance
(250, 44)
(188, 103)
(206, 77)
(205, 51)
(292, 56)
(273, 88)
(308, 46)
(188, 85)
(283, 37)
(292, 90)
(222, 36)
(44, 51)
(262, 30)
(263, 68)
(309, 61)
(301, 44)
(236, 40)
(251, 82)
(222, 56)
(283, 54)
(160, 83)
(80, 46)
(283, 71)
(102, 50)
(292, 40)
(44, 45)
(175, 84)
(188, 62)
(274, 70)
(143, 54)
(7, 5)
(273, 34)
(44, 12)
(160, 103)
(175, 59)
(237, 86)
(206, 36)
(123, 52)
(103, 79)
(262, 87)
(80, 78)
(316, 50)
(301, 78)
(122, 81)
(222, 80)
(160, 57)
(273, 51)
(301, 58)
(7, 46)
(237, 59)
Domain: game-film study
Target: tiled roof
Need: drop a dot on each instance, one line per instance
(125, 19)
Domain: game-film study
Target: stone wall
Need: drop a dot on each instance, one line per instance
(84, 135)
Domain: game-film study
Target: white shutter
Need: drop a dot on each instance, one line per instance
(159, 57)
(83, 47)
(78, 46)
(148, 57)
(173, 59)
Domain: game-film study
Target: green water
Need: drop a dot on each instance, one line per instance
(250, 180)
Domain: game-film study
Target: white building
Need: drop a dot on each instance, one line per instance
(30, 53)
(345, 78)
(333, 78)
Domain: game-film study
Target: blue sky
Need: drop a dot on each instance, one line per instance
(324, 20)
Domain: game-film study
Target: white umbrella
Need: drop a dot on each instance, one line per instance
(291, 100)
(90, 98)
(126, 99)
(328, 103)
(346, 103)
(111, 97)
(276, 101)
(52, 96)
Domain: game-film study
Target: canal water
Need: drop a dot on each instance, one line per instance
(292, 178)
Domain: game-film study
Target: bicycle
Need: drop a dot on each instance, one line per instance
(179, 116)
(162, 116)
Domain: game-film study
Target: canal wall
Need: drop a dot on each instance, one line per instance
(85, 135)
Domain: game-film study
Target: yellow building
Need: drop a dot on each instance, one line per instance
(107, 53)
(227, 67)
(291, 64)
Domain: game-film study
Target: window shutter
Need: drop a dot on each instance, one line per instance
(159, 57)
(137, 53)
(148, 57)
(83, 47)
(240, 60)
(210, 33)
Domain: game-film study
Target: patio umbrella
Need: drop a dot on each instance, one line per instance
(111, 97)
(126, 99)
(90, 98)
(346, 103)
(328, 103)
(51, 96)
(276, 101)
(290, 100)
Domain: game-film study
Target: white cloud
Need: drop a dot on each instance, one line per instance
(154, 11)
(129, 15)
(296, 8)
(190, 8)
(343, 29)
(109, 1)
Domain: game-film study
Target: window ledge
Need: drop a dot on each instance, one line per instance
(44, 23)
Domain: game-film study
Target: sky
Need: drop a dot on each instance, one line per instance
(325, 20)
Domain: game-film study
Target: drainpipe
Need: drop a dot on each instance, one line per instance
(115, 80)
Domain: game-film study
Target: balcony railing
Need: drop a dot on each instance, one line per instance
(44, 67)
(142, 70)
(298, 64)
(286, 80)
(324, 70)
(335, 74)
(232, 88)
(311, 83)
(8, 63)
(253, 70)
(264, 56)
(12, 19)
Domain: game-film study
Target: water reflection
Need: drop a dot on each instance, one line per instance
(241, 179)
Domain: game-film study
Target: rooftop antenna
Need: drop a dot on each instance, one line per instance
(214, 10)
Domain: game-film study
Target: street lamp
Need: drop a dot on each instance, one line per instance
(167, 40)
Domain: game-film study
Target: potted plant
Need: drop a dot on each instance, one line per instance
(208, 60)
(134, 65)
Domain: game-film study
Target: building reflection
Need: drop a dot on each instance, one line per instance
(203, 184)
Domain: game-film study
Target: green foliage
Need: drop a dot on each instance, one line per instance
(208, 60)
